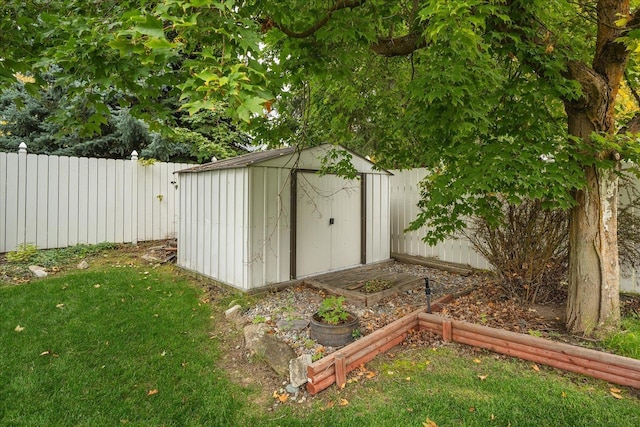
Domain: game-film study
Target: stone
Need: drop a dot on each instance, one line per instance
(276, 353)
(38, 271)
(298, 370)
(82, 265)
(234, 314)
(233, 311)
(254, 334)
(291, 389)
(292, 325)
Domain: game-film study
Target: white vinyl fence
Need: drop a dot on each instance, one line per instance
(404, 199)
(405, 195)
(57, 201)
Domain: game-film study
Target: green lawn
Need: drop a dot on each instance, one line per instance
(124, 346)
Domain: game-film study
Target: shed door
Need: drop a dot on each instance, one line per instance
(328, 223)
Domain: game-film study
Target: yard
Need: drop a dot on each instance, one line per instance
(127, 342)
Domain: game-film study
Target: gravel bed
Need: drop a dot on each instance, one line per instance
(300, 303)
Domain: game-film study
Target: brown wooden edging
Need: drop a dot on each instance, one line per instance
(609, 367)
(335, 367)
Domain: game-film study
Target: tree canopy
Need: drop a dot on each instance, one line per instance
(499, 98)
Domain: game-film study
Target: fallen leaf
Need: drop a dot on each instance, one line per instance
(482, 377)
(19, 328)
(59, 305)
(493, 417)
(390, 372)
(535, 368)
(472, 409)
(283, 397)
(615, 390)
(344, 402)
(476, 360)
(97, 285)
(44, 353)
(564, 394)
(152, 392)
(408, 378)
(329, 405)
(427, 362)
(429, 423)
(616, 395)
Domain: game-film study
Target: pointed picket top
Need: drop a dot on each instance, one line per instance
(22, 148)
(134, 155)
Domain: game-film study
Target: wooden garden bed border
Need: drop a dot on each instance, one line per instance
(609, 367)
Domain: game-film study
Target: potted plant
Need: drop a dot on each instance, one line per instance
(332, 325)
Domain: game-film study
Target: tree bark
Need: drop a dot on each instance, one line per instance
(593, 298)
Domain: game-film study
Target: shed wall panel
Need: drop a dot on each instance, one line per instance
(269, 219)
(214, 226)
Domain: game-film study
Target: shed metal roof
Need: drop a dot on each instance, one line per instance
(241, 161)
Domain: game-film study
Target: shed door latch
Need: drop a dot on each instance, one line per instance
(331, 221)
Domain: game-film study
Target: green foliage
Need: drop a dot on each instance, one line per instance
(24, 253)
(626, 342)
(332, 310)
(376, 285)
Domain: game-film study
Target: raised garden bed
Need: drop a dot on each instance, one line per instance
(609, 367)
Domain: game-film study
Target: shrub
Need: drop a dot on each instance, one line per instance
(529, 250)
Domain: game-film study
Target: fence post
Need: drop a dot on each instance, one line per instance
(134, 197)
(21, 231)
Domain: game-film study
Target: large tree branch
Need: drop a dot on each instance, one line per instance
(341, 4)
(398, 46)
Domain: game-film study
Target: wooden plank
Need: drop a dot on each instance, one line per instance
(340, 369)
(542, 343)
(552, 356)
(10, 221)
(433, 263)
(22, 205)
(617, 379)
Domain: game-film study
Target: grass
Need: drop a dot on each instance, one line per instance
(121, 345)
(111, 347)
(627, 341)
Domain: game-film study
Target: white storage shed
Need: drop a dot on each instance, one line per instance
(269, 217)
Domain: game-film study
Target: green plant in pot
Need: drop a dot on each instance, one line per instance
(333, 325)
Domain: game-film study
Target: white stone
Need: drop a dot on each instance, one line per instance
(82, 265)
(38, 271)
(298, 370)
(233, 311)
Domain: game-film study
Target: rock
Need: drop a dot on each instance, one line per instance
(82, 265)
(291, 389)
(234, 314)
(292, 325)
(254, 334)
(233, 311)
(276, 353)
(298, 370)
(38, 271)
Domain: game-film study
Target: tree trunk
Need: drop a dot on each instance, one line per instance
(593, 299)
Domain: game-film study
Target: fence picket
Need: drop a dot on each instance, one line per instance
(57, 201)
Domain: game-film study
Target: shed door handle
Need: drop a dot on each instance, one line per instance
(331, 221)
